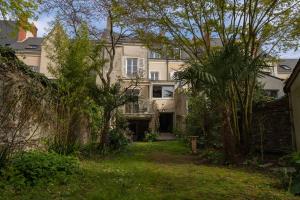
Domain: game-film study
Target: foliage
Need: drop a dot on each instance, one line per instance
(206, 32)
(194, 26)
(151, 136)
(26, 105)
(118, 139)
(295, 182)
(203, 120)
(212, 156)
(109, 93)
(78, 115)
(151, 171)
(31, 168)
(22, 10)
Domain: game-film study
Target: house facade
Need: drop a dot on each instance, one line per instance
(161, 105)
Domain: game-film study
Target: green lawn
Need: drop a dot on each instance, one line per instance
(161, 170)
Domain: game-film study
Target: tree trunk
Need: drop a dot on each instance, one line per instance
(229, 140)
(105, 130)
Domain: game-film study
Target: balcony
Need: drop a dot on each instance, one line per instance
(140, 107)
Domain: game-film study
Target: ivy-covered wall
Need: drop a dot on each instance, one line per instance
(272, 127)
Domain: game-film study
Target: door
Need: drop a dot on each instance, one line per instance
(166, 122)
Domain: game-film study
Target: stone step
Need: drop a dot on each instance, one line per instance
(166, 136)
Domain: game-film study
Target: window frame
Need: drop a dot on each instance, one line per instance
(162, 85)
(154, 55)
(132, 66)
(157, 76)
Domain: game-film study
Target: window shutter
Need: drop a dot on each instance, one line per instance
(141, 67)
(124, 66)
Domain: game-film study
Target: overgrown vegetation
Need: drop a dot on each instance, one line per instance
(26, 106)
(154, 171)
(32, 168)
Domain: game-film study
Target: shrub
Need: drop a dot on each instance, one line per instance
(151, 137)
(213, 156)
(33, 167)
(294, 184)
(118, 139)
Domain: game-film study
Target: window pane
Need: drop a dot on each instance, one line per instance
(157, 91)
(132, 66)
(154, 54)
(154, 76)
(167, 91)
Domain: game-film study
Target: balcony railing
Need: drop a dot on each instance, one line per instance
(140, 107)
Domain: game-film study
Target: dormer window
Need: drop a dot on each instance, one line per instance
(285, 67)
(32, 46)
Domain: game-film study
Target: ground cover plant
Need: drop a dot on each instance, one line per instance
(156, 170)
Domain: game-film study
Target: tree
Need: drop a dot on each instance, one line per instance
(73, 69)
(110, 93)
(20, 10)
(200, 27)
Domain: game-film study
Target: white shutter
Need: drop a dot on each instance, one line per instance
(124, 67)
(141, 67)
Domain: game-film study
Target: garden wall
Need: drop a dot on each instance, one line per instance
(272, 126)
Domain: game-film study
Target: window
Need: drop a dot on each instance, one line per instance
(32, 46)
(133, 107)
(175, 54)
(163, 91)
(271, 93)
(285, 67)
(34, 68)
(154, 76)
(154, 55)
(131, 66)
(172, 75)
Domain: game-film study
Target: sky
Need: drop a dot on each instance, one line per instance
(43, 28)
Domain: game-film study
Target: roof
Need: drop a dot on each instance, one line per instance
(263, 74)
(286, 66)
(30, 44)
(8, 32)
(292, 78)
(9, 37)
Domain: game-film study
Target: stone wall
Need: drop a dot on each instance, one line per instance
(272, 125)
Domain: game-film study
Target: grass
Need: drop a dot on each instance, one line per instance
(160, 170)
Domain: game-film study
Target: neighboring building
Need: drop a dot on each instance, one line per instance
(284, 68)
(292, 88)
(272, 85)
(273, 79)
(160, 104)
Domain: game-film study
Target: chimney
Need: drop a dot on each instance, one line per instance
(21, 34)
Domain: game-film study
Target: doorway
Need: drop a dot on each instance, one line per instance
(166, 122)
(138, 127)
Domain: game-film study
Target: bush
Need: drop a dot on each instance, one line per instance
(151, 137)
(33, 167)
(213, 156)
(204, 120)
(118, 139)
(294, 185)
